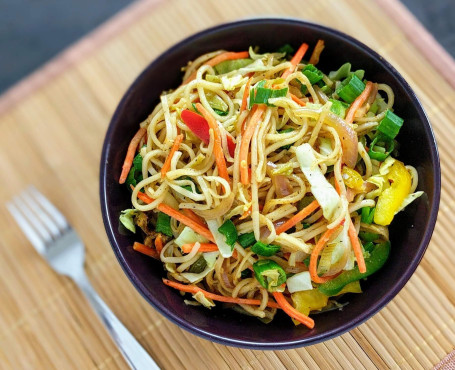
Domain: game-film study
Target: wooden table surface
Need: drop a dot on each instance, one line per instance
(52, 127)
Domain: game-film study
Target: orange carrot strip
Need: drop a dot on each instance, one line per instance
(202, 230)
(298, 217)
(297, 100)
(246, 213)
(146, 250)
(130, 154)
(205, 247)
(217, 147)
(229, 55)
(292, 312)
(357, 248)
(315, 254)
(314, 59)
(296, 60)
(246, 138)
(362, 98)
(245, 95)
(190, 214)
(216, 297)
(144, 197)
(167, 164)
(159, 243)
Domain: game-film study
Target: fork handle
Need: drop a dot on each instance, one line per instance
(135, 355)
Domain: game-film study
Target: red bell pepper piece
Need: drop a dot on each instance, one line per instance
(200, 127)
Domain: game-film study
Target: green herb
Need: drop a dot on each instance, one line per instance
(245, 240)
(163, 224)
(229, 230)
(198, 266)
(378, 256)
(269, 274)
(390, 125)
(266, 250)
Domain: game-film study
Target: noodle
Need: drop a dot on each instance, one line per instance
(279, 181)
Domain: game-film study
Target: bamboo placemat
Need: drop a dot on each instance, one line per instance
(52, 128)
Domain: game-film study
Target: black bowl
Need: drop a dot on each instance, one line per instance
(410, 232)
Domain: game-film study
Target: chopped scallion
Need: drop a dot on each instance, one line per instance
(338, 107)
(390, 125)
(350, 88)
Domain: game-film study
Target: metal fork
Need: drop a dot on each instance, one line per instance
(54, 238)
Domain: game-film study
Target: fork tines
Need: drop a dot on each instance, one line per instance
(38, 218)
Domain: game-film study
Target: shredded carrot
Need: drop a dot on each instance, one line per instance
(159, 243)
(296, 60)
(144, 197)
(298, 217)
(229, 55)
(216, 297)
(357, 248)
(200, 229)
(361, 99)
(315, 254)
(186, 220)
(130, 154)
(190, 214)
(245, 143)
(205, 247)
(167, 164)
(217, 147)
(146, 250)
(314, 59)
(292, 312)
(245, 95)
(246, 213)
(297, 100)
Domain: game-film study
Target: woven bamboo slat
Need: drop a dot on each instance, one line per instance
(52, 126)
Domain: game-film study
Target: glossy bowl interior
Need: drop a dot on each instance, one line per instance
(410, 231)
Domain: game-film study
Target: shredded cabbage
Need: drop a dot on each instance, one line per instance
(220, 239)
(203, 300)
(299, 282)
(324, 193)
(188, 236)
(127, 219)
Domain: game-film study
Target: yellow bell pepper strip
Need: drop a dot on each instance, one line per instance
(391, 198)
(352, 178)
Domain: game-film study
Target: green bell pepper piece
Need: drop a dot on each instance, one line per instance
(269, 274)
(378, 256)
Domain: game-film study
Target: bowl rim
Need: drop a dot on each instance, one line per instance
(287, 344)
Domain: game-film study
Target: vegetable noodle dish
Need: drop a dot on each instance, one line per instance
(265, 184)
